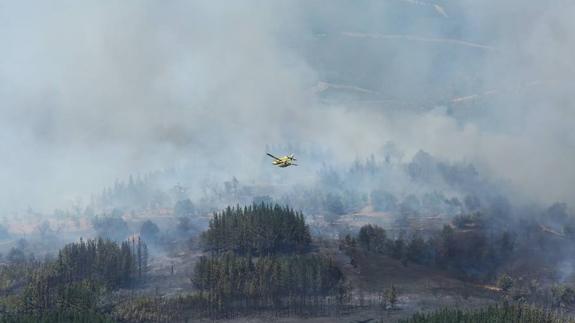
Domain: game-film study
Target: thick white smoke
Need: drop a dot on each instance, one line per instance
(92, 91)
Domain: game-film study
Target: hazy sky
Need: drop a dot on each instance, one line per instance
(91, 91)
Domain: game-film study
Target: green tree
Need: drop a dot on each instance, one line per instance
(149, 231)
(334, 207)
(184, 208)
(257, 230)
(391, 296)
(505, 282)
(416, 250)
(16, 256)
(383, 201)
(111, 227)
(372, 238)
(563, 295)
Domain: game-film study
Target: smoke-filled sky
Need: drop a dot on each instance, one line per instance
(91, 91)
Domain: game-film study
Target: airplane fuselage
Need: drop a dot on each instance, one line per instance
(284, 161)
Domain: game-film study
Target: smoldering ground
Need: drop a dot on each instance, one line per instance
(93, 91)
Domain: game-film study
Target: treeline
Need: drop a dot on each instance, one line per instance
(258, 260)
(268, 280)
(257, 230)
(49, 296)
(115, 265)
(137, 192)
(505, 313)
(14, 276)
(342, 191)
(59, 317)
(158, 189)
(69, 288)
(471, 253)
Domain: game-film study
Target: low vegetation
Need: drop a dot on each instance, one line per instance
(494, 314)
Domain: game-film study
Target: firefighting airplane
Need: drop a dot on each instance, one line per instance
(284, 161)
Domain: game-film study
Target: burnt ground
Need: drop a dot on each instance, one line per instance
(170, 270)
(419, 288)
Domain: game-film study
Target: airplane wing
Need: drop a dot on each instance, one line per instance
(272, 156)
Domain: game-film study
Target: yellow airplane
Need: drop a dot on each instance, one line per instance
(284, 161)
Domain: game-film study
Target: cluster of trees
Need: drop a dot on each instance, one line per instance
(562, 295)
(14, 276)
(112, 226)
(412, 205)
(18, 255)
(471, 253)
(68, 288)
(184, 208)
(150, 191)
(425, 168)
(115, 265)
(257, 230)
(496, 313)
(258, 260)
(383, 201)
(479, 245)
(150, 231)
(429, 173)
(184, 211)
(50, 294)
(268, 280)
(337, 204)
(520, 290)
(139, 192)
(337, 191)
(373, 238)
(344, 191)
(332, 204)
